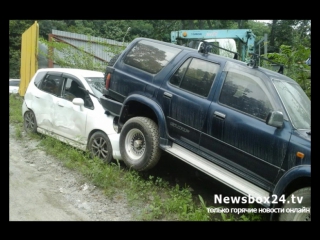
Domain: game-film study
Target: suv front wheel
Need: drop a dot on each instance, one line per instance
(139, 143)
(297, 206)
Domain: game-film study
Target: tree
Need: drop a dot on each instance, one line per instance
(16, 29)
(67, 56)
(259, 29)
(302, 33)
(293, 58)
(242, 24)
(46, 26)
(292, 33)
(161, 29)
(289, 32)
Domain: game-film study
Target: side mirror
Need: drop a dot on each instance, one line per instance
(275, 119)
(78, 102)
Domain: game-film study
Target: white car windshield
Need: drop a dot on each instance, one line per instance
(296, 103)
(96, 84)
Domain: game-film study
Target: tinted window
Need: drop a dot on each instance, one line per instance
(246, 93)
(178, 75)
(196, 76)
(149, 56)
(52, 84)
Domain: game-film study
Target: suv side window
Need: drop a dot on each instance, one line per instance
(149, 56)
(52, 84)
(195, 76)
(245, 93)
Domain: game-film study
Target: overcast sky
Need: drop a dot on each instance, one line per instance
(266, 21)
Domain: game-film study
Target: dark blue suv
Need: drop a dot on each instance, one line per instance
(248, 127)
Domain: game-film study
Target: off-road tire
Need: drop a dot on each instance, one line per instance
(139, 143)
(99, 145)
(30, 122)
(305, 195)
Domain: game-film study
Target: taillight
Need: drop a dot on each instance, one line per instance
(108, 80)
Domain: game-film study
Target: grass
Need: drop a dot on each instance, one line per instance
(155, 198)
(15, 108)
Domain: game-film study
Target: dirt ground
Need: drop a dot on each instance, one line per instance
(41, 189)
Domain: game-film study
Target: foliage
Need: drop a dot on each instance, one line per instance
(15, 103)
(289, 44)
(259, 31)
(67, 56)
(280, 32)
(16, 29)
(289, 32)
(293, 58)
(46, 26)
(151, 198)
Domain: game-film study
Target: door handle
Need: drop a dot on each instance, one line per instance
(60, 104)
(219, 115)
(168, 95)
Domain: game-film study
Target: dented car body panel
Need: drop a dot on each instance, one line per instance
(59, 116)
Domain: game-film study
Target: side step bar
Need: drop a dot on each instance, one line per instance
(218, 173)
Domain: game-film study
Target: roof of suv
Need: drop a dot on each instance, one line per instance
(269, 73)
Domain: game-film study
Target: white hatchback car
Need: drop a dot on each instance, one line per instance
(64, 103)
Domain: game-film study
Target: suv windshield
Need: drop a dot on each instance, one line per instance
(296, 103)
(96, 84)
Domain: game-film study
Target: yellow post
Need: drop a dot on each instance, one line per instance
(29, 56)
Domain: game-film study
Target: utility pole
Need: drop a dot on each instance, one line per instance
(129, 28)
(265, 45)
(265, 40)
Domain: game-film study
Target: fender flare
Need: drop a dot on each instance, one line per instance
(289, 176)
(153, 105)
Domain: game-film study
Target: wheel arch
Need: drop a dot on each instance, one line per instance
(296, 178)
(91, 133)
(139, 143)
(110, 146)
(137, 105)
(26, 123)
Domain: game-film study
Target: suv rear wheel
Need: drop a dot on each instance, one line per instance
(139, 143)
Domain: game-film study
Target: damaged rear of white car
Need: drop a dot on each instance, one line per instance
(64, 103)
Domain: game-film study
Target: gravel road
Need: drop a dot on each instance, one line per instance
(42, 189)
